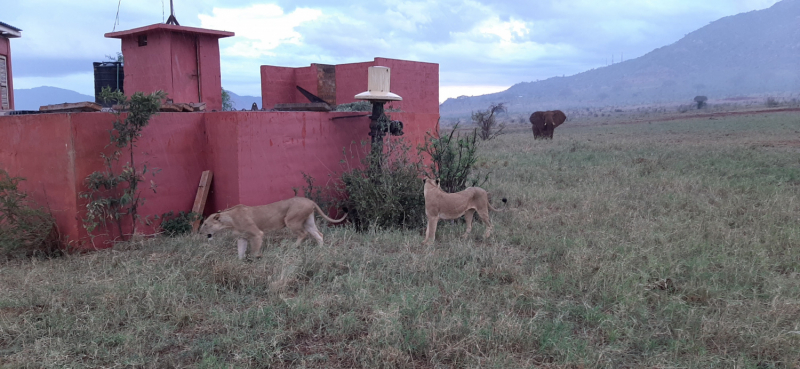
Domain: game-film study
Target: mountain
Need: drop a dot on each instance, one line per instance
(33, 98)
(244, 102)
(753, 53)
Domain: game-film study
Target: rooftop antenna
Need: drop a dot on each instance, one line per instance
(172, 19)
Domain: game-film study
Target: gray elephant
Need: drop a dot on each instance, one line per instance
(545, 122)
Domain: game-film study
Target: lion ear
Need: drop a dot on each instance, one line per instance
(216, 216)
(437, 182)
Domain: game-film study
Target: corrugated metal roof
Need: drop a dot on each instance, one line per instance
(9, 30)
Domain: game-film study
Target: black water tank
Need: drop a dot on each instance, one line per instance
(107, 74)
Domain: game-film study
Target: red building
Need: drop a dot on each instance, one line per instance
(257, 157)
(182, 61)
(7, 32)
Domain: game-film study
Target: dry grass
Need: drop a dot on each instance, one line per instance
(662, 245)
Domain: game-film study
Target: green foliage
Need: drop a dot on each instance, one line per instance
(23, 229)
(701, 101)
(487, 121)
(771, 102)
(227, 103)
(114, 194)
(116, 58)
(355, 106)
(390, 198)
(454, 157)
(175, 225)
(361, 105)
(624, 247)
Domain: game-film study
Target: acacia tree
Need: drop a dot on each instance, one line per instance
(114, 192)
(487, 123)
(701, 101)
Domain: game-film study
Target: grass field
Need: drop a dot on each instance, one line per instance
(663, 245)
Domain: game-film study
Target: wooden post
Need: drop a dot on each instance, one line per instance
(201, 197)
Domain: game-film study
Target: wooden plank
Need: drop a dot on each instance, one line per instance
(185, 106)
(85, 106)
(201, 197)
(198, 106)
(170, 108)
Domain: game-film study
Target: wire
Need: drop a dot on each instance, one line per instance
(116, 21)
(162, 11)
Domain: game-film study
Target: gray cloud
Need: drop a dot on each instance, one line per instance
(476, 42)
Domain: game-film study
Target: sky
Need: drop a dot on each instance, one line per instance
(481, 46)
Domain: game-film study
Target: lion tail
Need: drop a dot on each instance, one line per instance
(505, 201)
(325, 216)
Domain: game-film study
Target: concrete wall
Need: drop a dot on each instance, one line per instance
(170, 62)
(257, 157)
(416, 82)
(5, 50)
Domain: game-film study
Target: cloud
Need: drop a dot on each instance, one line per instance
(260, 28)
(476, 42)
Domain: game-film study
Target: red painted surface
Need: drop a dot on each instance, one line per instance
(257, 157)
(416, 82)
(171, 60)
(5, 50)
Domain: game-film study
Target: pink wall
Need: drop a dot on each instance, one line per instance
(171, 60)
(5, 50)
(416, 82)
(257, 157)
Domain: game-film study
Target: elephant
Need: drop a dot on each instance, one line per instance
(545, 122)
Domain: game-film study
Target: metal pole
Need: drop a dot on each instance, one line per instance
(377, 133)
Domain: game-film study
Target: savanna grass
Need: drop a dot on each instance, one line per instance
(665, 245)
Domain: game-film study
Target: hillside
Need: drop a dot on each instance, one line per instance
(752, 53)
(33, 98)
(244, 102)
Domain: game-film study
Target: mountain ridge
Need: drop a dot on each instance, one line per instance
(33, 98)
(752, 53)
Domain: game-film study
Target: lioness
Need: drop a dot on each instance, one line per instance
(443, 205)
(250, 222)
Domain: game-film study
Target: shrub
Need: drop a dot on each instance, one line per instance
(175, 225)
(227, 101)
(772, 102)
(24, 230)
(360, 106)
(453, 159)
(355, 106)
(701, 101)
(114, 194)
(487, 122)
(390, 198)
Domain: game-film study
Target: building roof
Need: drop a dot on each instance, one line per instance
(9, 31)
(170, 28)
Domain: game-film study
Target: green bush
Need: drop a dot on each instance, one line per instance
(453, 157)
(175, 225)
(24, 230)
(390, 198)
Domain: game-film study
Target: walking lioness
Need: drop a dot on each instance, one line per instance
(443, 205)
(250, 222)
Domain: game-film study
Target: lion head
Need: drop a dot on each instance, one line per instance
(214, 224)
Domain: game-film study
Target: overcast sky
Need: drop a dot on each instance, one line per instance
(481, 46)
